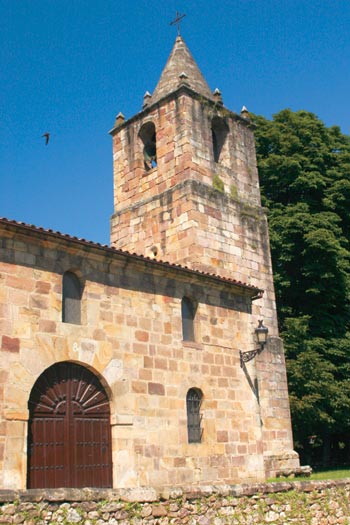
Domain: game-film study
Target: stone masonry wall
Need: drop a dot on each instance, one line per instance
(301, 503)
(131, 338)
(198, 230)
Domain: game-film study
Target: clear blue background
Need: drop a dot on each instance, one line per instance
(69, 66)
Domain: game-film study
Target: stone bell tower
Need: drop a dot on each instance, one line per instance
(186, 191)
(186, 187)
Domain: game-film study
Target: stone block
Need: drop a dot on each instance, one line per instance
(156, 389)
(10, 344)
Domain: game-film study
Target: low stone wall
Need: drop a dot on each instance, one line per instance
(311, 503)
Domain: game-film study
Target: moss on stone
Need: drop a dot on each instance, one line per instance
(234, 192)
(218, 184)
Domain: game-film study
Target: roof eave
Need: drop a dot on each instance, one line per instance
(247, 290)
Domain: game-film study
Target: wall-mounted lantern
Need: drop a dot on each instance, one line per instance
(261, 332)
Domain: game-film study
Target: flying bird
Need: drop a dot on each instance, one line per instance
(47, 137)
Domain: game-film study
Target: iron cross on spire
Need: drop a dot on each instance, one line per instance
(177, 21)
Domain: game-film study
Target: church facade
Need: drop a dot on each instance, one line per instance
(136, 364)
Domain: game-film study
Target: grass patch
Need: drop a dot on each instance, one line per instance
(331, 474)
(318, 475)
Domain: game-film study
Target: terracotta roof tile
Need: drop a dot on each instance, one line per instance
(58, 235)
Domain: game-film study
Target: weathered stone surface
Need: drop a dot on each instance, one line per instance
(158, 511)
(9, 509)
(180, 65)
(328, 503)
(140, 494)
(6, 519)
(10, 344)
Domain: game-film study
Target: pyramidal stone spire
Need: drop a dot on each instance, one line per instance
(180, 65)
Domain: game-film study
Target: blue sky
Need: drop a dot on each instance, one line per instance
(69, 66)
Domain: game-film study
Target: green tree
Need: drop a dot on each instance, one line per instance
(304, 170)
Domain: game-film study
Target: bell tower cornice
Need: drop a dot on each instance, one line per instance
(212, 107)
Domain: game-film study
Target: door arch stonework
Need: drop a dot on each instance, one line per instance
(69, 434)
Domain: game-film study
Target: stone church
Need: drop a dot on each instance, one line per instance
(137, 364)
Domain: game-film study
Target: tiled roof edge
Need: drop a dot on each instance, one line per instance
(66, 237)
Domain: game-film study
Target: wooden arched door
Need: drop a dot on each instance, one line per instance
(69, 437)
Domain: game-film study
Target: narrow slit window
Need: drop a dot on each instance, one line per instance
(194, 418)
(71, 298)
(187, 314)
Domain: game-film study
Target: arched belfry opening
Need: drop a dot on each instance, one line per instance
(219, 130)
(69, 434)
(147, 135)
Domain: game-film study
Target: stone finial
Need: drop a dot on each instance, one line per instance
(183, 78)
(146, 99)
(119, 119)
(217, 96)
(245, 113)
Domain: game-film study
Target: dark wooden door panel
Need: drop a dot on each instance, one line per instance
(47, 453)
(69, 440)
(92, 452)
